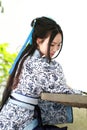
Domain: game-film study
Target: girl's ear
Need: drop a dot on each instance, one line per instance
(39, 41)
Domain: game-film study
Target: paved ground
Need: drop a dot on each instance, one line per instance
(79, 121)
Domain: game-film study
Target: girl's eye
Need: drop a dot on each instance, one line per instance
(59, 44)
(52, 44)
(55, 44)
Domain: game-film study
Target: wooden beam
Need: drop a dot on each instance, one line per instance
(67, 99)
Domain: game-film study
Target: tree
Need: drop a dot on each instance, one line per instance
(6, 60)
(1, 7)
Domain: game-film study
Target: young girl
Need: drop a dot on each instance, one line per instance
(34, 71)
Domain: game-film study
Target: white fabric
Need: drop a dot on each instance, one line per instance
(21, 104)
(25, 99)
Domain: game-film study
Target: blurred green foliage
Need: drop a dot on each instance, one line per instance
(1, 7)
(6, 60)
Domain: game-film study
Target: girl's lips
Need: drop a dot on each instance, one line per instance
(51, 54)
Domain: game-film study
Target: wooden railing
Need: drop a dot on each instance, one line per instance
(67, 99)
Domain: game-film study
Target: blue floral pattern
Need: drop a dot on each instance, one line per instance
(37, 76)
(55, 113)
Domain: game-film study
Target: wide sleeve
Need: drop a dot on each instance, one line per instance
(47, 77)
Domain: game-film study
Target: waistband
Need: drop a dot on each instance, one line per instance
(21, 104)
(26, 99)
(32, 125)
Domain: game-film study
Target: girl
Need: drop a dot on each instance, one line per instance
(33, 72)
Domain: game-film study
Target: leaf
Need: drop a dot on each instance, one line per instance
(6, 61)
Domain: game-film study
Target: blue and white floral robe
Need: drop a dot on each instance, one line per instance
(37, 76)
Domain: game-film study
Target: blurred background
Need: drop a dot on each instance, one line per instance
(15, 20)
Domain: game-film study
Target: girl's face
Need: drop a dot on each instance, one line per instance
(55, 45)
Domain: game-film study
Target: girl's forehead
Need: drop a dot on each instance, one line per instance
(58, 38)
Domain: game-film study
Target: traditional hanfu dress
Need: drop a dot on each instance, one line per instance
(37, 76)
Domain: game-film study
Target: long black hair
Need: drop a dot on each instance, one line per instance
(43, 26)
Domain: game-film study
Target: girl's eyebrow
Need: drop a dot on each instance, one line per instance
(56, 42)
